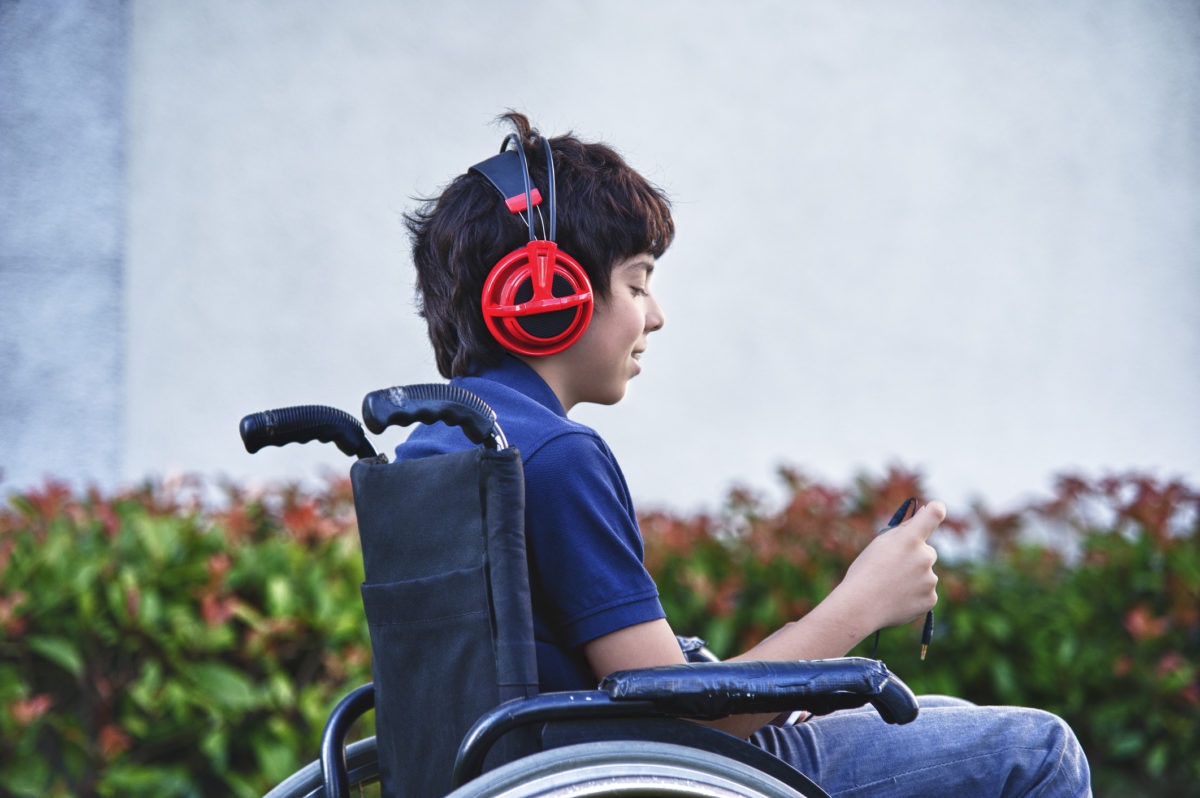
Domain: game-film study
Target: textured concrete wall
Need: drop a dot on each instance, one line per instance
(62, 191)
(961, 236)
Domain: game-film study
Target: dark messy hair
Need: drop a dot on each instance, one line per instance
(606, 212)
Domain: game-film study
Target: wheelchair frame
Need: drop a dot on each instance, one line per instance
(628, 735)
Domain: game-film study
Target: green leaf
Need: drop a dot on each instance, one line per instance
(1156, 760)
(998, 627)
(59, 651)
(223, 686)
(280, 598)
(1127, 743)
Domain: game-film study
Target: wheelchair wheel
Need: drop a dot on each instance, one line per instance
(625, 768)
(362, 761)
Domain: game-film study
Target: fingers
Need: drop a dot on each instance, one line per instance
(921, 526)
(893, 576)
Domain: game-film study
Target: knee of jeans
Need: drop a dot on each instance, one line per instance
(1057, 731)
(1064, 753)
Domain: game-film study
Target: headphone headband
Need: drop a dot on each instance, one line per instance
(508, 172)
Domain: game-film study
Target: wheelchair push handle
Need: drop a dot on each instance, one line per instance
(302, 424)
(432, 402)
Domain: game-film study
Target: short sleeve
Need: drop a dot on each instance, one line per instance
(585, 548)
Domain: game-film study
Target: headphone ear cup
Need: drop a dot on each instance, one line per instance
(553, 323)
(537, 300)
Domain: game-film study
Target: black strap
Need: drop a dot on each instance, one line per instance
(506, 171)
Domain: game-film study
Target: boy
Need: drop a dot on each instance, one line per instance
(550, 339)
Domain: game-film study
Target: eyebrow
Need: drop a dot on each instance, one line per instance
(642, 264)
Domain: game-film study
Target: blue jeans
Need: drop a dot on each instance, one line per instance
(953, 748)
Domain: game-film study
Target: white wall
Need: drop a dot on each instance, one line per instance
(62, 194)
(959, 236)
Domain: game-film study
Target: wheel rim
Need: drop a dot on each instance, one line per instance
(627, 770)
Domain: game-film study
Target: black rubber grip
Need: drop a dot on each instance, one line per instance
(305, 423)
(429, 403)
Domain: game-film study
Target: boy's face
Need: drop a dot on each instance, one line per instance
(600, 365)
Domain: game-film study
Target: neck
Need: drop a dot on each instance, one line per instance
(549, 370)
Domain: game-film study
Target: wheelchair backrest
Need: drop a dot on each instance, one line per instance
(446, 594)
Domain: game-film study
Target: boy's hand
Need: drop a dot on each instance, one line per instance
(891, 582)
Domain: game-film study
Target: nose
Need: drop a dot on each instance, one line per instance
(654, 315)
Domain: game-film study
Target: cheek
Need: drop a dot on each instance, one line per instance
(615, 327)
(632, 319)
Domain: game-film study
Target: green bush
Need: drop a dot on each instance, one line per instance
(152, 646)
(152, 643)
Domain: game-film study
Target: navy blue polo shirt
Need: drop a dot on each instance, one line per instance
(585, 552)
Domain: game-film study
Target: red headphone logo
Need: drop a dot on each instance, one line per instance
(537, 300)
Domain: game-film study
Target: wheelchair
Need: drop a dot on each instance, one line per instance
(454, 690)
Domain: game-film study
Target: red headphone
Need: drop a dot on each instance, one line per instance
(537, 300)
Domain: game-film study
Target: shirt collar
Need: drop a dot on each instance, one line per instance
(517, 375)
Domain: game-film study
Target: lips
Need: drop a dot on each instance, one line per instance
(636, 356)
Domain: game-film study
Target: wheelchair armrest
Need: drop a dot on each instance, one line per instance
(716, 689)
(702, 690)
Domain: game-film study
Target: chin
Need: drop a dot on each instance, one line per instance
(612, 397)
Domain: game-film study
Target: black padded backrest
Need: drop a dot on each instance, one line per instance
(446, 594)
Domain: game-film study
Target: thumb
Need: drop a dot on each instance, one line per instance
(928, 518)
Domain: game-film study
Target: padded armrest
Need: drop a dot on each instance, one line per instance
(703, 690)
(716, 689)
